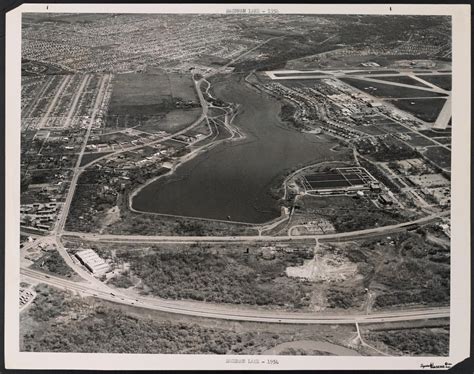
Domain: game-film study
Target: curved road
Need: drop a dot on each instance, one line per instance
(228, 313)
(351, 235)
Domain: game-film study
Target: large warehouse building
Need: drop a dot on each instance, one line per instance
(93, 262)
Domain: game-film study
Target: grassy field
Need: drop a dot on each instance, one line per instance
(440, 156)
(147, 99)
(403, 79)
(175, 120)
(89, 157)
(446, 140)
(139, 94)
(211, 60)
(372, 130)
(442, 81)
(391, 127)
(419, 141)
(424, 109)
(362, 72)
(182, 86)
(387, 90)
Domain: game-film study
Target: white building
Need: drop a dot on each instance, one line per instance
(93, 262)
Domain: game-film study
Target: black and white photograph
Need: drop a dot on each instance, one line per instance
(243, 182)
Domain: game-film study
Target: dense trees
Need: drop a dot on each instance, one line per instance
(53, 263)
(415, 341)
(121, 281)
(232, 277)
(82, 327)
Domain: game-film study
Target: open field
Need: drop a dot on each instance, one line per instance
(391, 127)
(372, 72)
(291, 83)
(442, 81)
(387, 90)
(182, 86)
(175, 120)
(303, 76)
(147, 99)
(140, 94)
(212, 60)
(436, 133)
(446, 140)
(440, 156)
(403, 79)
(419, 141)
(89, 157)
(424, 109)
(372, 130)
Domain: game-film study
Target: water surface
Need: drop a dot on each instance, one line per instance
(234, 178)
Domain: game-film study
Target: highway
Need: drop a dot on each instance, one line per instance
(232, 313)
(351, 235)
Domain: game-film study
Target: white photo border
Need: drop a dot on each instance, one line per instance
(460, 213)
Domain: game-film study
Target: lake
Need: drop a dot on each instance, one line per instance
(234, 179)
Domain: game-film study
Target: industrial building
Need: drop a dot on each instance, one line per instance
(92, 261)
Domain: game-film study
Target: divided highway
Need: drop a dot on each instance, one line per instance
(360, 234)
(224, 312)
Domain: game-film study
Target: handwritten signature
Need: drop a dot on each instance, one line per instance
(431, 365)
